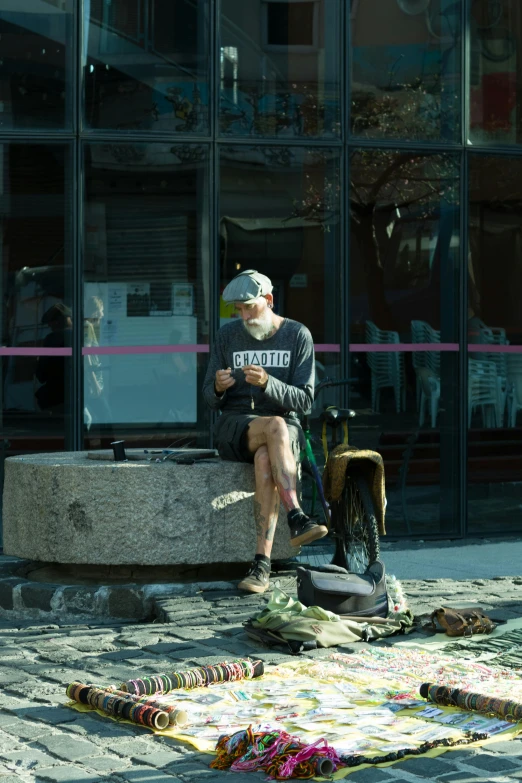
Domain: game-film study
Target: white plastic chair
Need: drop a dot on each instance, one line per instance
(514, 380)
(492, 335)
(484, 393)
(496, 336)
(427, 370)
(419, 335)
(387, 368)
(430, 394)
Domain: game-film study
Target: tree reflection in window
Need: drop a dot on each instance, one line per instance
(393, 196)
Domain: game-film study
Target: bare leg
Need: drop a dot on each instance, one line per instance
(266, 502)
(272, 432)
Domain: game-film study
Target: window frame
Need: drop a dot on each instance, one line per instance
(292, 49)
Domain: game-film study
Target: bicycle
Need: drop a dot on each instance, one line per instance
(444, 24)
(352, 521)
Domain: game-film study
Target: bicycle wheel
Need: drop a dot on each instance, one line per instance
(356, 529)
(501, 47)
(443, 21)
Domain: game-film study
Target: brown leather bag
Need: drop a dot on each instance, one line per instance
(461, 622)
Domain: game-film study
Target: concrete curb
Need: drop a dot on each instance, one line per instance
(131, 601)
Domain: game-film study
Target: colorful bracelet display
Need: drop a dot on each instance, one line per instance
(277, 753)
(506, 709)
(125, 707)
(177, 716)
(200, 676)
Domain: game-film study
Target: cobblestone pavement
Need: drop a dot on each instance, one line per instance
(42, 740)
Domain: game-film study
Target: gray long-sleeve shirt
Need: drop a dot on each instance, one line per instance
(288, 358)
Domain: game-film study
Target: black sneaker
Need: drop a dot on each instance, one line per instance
(303, 530)
(257, 579)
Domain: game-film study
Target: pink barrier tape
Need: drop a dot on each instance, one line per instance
(126, 350)
(327, 348)
(35, 351)
(401, 347)
(481, 348)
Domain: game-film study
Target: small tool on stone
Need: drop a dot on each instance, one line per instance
(118, 450)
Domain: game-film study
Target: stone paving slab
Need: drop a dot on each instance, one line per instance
(42, 741)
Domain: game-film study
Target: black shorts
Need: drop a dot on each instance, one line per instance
(230, 435)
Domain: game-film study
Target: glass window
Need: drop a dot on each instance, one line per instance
(291, 24)
(406, 66)
(35, 64)
(495, 344)
(404, 293)
(145, 292)
(147, 65)
(495, 102)
(280, 215)
(279, 62)
(35, 298)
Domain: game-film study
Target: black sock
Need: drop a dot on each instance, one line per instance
(296, 515)
(264, 561)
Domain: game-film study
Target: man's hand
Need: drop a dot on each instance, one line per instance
(223, 380)
(255, 375)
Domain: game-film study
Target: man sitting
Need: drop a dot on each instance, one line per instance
(260, 377)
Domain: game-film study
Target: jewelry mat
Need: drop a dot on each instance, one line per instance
(361, 704)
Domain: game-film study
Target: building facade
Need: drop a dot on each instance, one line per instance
(366, 155)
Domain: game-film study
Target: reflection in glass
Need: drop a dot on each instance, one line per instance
(145, 292)
(496, 35)
(404, 292)
(35, 309)
(96, 406)
(35, 64)
(406, 70)
(495, 343)
(50, 370)
(146, 65)
(279, 62)
(280, 215)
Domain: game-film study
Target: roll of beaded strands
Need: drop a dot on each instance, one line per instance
(177, 717)
(506, 709)
(120, 707)
(198, 677)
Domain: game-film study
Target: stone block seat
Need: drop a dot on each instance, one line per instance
(67, 508)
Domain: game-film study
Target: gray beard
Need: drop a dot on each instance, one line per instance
(260, 331)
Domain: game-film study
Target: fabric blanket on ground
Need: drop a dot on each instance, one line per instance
(365, 705)
(339, 461)
(293, 621)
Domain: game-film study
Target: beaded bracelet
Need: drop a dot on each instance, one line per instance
(194, 678)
